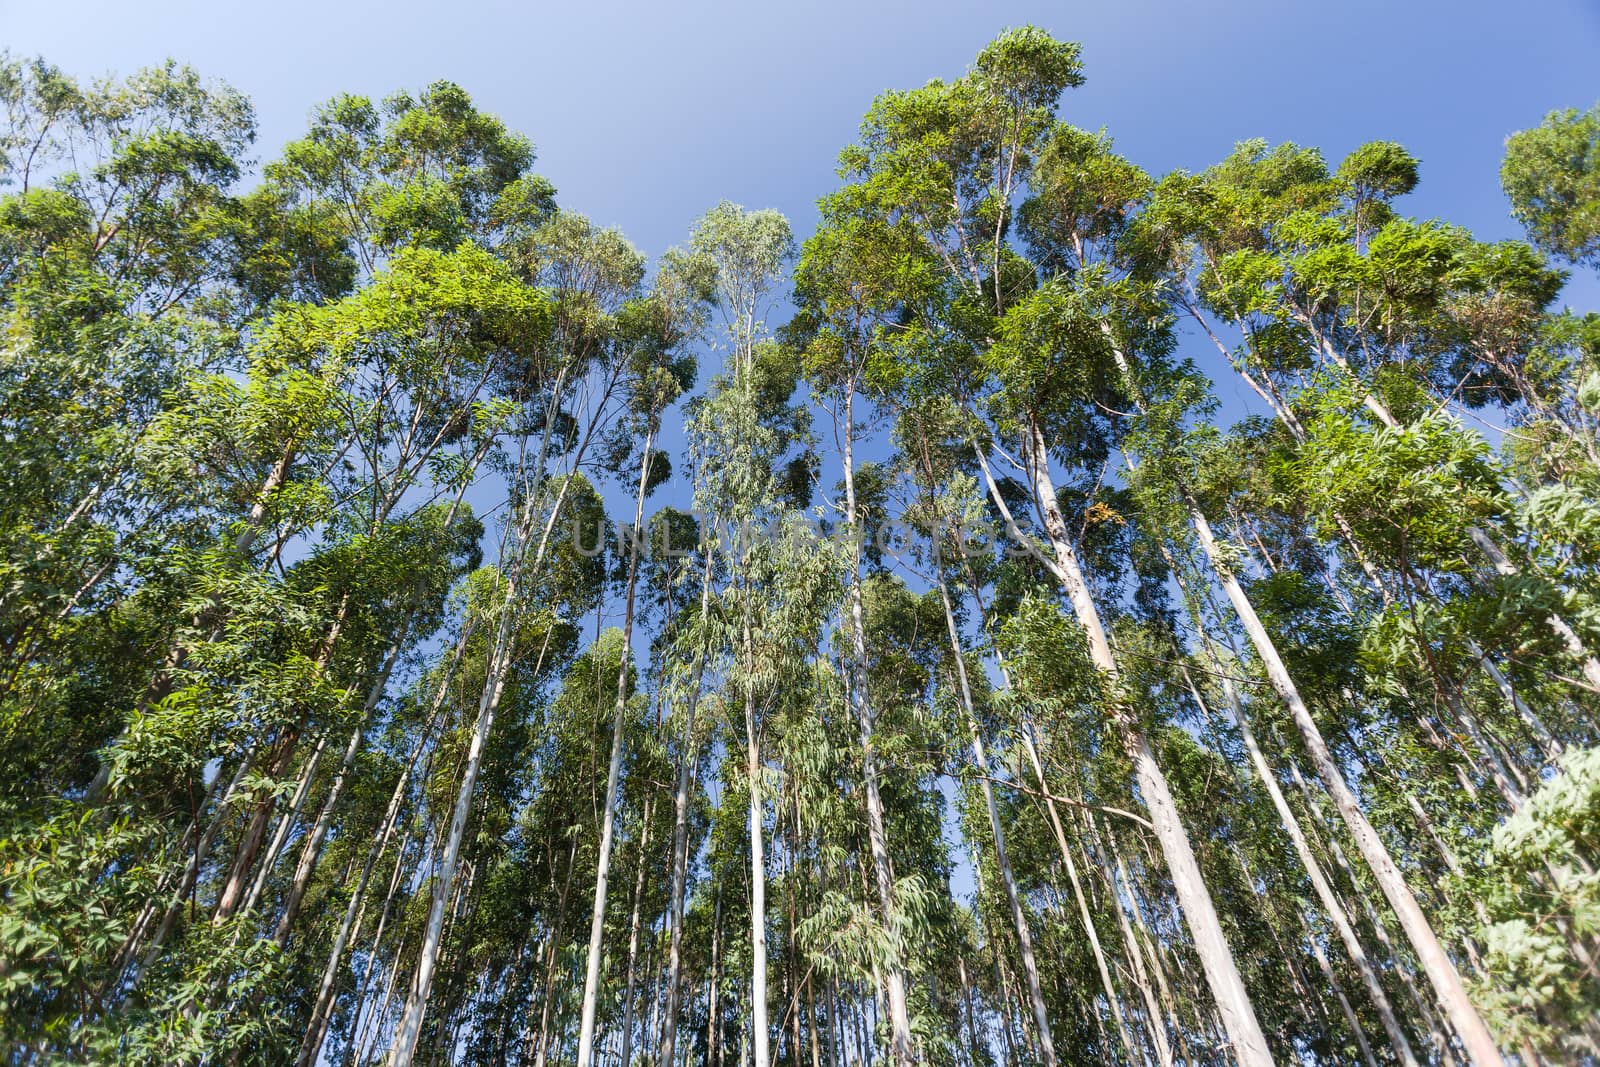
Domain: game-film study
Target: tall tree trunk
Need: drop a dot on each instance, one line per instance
(1156, 1015)
(680, 840)
(608, 819)
(1030, 746)
(317, 1027)
(633, 939)
(1441, 972)
(1331, 904)
(900, 1050)
(286, 821)
(713, 1026)
(1216, 958)
(759, 1027)
(498, 669)
(980, 759)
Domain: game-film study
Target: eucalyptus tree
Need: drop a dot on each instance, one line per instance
(655, 330)
(1403, 319)
(1079, 219)
(743, 436)
(946, 514)
(585, 278)
(287, 773)
(946, 164)
(845, 284)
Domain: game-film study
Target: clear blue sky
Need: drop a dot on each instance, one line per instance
(644, 114)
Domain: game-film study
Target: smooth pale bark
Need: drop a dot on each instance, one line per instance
(312, 847)
(1436, 964)
(633, 939)
(1030, 746)
(1331, 904)
(980, 759)
(1155, 1017)
(680, 841)
(1147, 963)
(713, 1030)
(1345, 1009)
(760, 1028)
(499, 664)
(410, 1027)
(274, 850)
(317, 1028)
(608, 819)
(900, 1049)
(1200, 913)
(1102, 966)
(1331, 848)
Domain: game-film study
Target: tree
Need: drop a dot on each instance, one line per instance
(1551, 174)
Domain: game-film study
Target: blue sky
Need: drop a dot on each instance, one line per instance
(645, 114)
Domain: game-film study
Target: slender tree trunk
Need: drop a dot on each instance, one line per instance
(713, 1027)
(633, 939)
(1331, 904)
(274, 850)
(317, 1028)
(680, 841)
(1019, 917)
(597, 920)
(759, 1026)
(1030, 746)
(900, 1050)
(1345, 1009)
(1156, 1017)
(499, 666)
(1216, 958)
(1441, 972)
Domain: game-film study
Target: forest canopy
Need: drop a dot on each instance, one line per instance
(434, 630)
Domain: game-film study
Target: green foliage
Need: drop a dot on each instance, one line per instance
(1552, 176)
(309, 576)
(1543, 894)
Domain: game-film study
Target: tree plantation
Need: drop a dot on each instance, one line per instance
(435, 631)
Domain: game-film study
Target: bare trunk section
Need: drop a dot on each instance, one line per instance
(680, 844)
(1441, 972)
(900, 1049)
(980, 758)
(1216, 958)
(597, 921)
(1319, 882)
(760, 1028)
(410, 1027)
(633, 940)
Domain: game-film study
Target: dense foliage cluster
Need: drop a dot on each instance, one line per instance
(433, 632)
